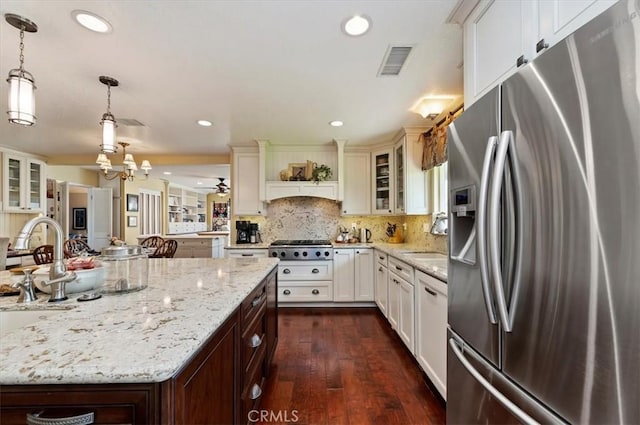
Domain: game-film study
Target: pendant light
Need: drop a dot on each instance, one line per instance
(22, 102)
(108, 121)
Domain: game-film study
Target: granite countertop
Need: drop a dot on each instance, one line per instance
(436, 267)
(144, 336)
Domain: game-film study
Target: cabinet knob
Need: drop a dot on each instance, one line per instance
(315, 271)
(357, 252)
(256, 341)
(315, 292)
(344, 211)
(541, 45)
(389, 210)
(286, 271)
(380, 269)
(521, 61)
(256, 391)
(286, 292)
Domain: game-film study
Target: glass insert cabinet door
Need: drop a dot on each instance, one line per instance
(23, 185)
(399, 161)
(382, 184)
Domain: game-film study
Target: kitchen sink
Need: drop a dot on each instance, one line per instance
(11, 320)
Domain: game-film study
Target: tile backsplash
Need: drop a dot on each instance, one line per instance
(317, 218)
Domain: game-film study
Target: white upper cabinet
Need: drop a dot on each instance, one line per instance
(559, 18)
(496, 34)
(246, 183)
(410, 182)
(382, 181)
(357, 184)
(23, 188)
(501, 35)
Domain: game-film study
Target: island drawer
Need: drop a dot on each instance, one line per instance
(253, 303)
(253, 338)
(254, 384)
(305, 291)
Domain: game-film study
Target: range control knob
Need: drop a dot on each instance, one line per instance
(296, 254)
(326, 253)
(282, 254)
(317, 253)
(274, 254)
(304, 254)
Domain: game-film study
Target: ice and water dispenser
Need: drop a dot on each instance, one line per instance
(462, 224)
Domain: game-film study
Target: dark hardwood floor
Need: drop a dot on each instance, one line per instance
(345, 366)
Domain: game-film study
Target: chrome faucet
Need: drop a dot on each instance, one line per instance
(58, 274)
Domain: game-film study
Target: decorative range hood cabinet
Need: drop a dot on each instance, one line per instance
(274, 158)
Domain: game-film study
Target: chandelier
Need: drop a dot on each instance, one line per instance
(129, 166)
(22, 101)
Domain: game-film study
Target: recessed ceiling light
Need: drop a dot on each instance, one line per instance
(356, 25)
(199, 182)
(167, 173)
(336, 123)
(205, 123)
(91, 21)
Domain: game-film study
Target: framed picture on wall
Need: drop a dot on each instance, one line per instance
(132, 221)
(132, 202)
(79, 218)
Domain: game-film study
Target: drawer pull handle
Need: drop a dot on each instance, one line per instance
(315, 292)
(256, 341)
(357, 252)
(257, 300)
(429, 291)
(84, 419)
(315, 271)
(247, 255)
(380, 269)
(286, 292)
(398, 268)
(286, 271)
(256, 391)
(382, 258)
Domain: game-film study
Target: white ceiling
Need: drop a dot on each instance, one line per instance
(277, 70)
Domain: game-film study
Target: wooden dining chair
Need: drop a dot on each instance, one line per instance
(43, 254)
(74, 247)
(166, 250)
(152, 242)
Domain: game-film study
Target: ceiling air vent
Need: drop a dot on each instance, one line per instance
(131, 122)
(394, 60)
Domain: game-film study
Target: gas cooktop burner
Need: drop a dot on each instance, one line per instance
(302, 249)
(301, 242)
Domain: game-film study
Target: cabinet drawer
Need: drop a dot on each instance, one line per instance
(381, 258)
(252, 304)
(253, 338)
(254, 383)
(305, 291)
(306, 270)
(402, 269)
(194, 243)
(233, 253)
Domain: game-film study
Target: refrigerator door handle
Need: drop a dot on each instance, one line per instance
(481, 227)
(506, 403)
(494, 227)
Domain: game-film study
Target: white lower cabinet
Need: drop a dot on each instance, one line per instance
(401, 302)
(431, 347)
(353, 274)
(363, 276)
(381, 283)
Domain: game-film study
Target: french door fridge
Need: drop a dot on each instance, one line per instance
(544, 268)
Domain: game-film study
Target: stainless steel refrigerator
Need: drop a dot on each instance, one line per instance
(544, 267)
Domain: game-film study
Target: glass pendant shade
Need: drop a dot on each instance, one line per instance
(108, 124)
(22, 101)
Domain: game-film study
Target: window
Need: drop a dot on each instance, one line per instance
(150, 212)
(439, 181)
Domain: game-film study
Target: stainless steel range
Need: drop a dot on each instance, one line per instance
(301, 250)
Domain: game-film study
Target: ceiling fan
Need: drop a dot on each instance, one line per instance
(222, 186)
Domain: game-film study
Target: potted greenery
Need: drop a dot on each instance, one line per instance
(321, 173)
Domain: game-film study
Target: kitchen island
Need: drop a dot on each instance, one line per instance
(168, 350)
